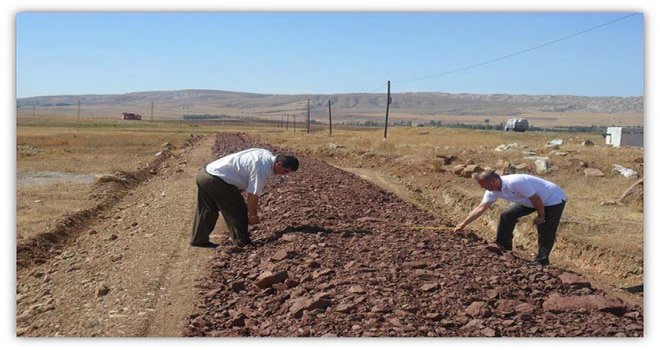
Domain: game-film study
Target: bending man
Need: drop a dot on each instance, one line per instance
(219, 186)
(531, 194)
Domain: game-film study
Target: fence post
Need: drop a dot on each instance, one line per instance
(387, 109)
(330, 115)
(308, 113)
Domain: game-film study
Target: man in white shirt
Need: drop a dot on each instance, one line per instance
(531, 194)
(219, 187)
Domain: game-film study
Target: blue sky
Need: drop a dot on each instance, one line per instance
(333, 52)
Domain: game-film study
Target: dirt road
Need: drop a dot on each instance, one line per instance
(129, 271)
(334, 256)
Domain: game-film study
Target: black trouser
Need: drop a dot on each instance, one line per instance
(547, 231)
(213, 196)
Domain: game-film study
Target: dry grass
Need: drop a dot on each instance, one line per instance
(65, 145)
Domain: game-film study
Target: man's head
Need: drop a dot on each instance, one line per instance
(285, 164)
(489, 180)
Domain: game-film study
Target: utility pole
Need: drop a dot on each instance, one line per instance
(330, 115)
(308, 122)
(282, 123)
(287, 122)
(78, 109)
(152, 111)
(34, 110)
(387, 109)
(294, 123)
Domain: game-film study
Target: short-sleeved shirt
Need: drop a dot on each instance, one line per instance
(519, 187)
(247, 170)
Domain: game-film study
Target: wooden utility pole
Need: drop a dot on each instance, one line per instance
(387, 109)
(78, 114)
(308, 114)
(287, 122)
(330, 115)
(152, 111)
(34, 110)
(294, 123)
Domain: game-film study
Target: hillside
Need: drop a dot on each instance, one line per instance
(175, 103)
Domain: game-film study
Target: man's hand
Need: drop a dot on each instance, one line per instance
(459, 227)
(539, 220)
(253, 219)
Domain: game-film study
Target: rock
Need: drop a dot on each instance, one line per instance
(471, 169)
(282, 255)
(593, 172)
(521, 167)
(323, 272)
(507, 306)
(511, 146)
(559, 153)
(357, 290)
(268, 278)
(543, 166)
(554, 143)
(415, 264)
(110, 178)
(237, 286)
(344, 308)
(609, 202)
(488, 332)
(429, 287)
(478, 309)
(525, 308)
(163, 154)
(299, 305)
(587, 143)
(238, 320)
(556, 303)
(102, 290)
(457, 169)
(625, 172)
(569, 279)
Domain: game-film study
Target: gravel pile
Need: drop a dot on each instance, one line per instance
(337, 256)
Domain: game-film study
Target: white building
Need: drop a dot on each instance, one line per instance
(618, 136)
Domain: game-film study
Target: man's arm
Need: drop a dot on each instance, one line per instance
(253, 208)
(474, 215)
(540, 208)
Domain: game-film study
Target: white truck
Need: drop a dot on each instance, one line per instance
(516, 124)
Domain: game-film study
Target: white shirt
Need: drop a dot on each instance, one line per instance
(519, 187)
(248, 170)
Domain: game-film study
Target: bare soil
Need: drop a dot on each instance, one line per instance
(334, 256)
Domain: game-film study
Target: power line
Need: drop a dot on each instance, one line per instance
(518, 52)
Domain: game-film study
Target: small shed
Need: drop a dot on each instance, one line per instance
(619, 136)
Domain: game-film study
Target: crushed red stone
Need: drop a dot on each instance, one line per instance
(352, 276)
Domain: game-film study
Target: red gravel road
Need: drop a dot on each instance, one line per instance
(338, 256)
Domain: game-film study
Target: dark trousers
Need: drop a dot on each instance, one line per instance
(213, 196)
(547, 231)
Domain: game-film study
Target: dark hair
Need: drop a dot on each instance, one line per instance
(487, 175)
(289, 162)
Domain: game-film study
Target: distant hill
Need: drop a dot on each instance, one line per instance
(173, 104)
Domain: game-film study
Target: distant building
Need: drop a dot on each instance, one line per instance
(130, 116)
(619, 136)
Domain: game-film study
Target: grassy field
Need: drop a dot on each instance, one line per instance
(71, 148)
